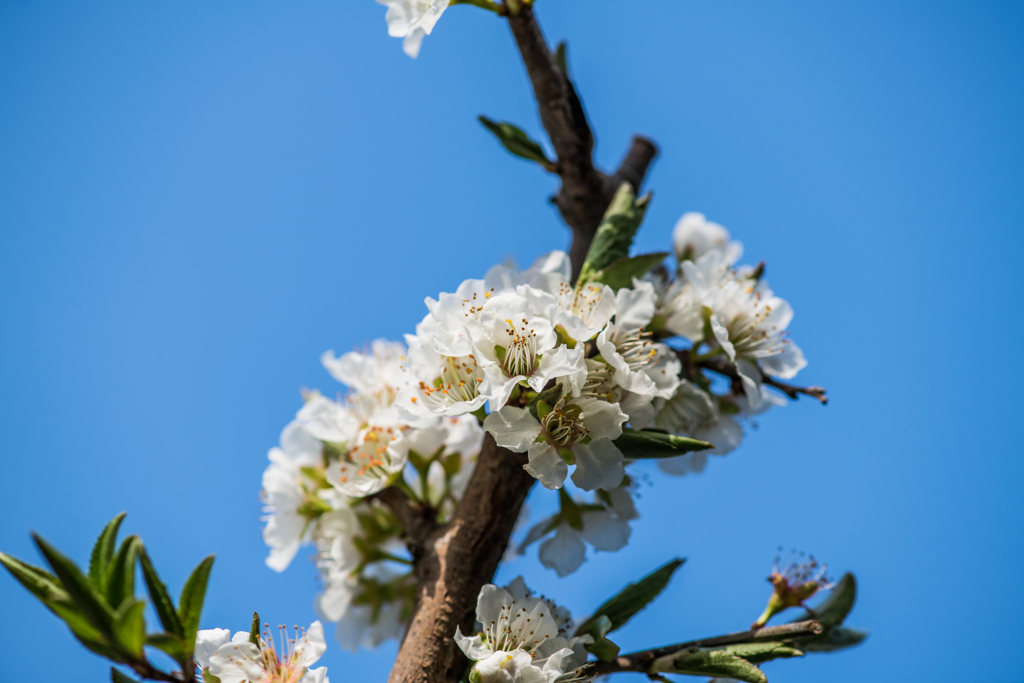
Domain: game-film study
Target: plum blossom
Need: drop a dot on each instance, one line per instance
(378, 455)
(575, 431)
(694, 236)
(524, 639)
(604, 524)
(412, 20)
(239, 660)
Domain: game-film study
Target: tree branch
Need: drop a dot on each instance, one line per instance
(418, 520)
(723, 367)
(641, 661)
(585, 192)
(456, 560)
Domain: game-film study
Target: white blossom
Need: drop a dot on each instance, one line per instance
(694, 236)
(240, 660)
(412, 20)
(378, 454)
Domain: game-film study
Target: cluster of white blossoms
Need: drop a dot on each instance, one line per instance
(556, 371)
(235, 659)
(523, 639)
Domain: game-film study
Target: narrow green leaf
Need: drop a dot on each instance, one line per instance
(758, 653)
(83, 631)
(130, 626)
(163, 605)
(615, 234)
(103, 551)
(633, 598)
(120, 579)
(190, 606)
(170, 644)
(118, 677)
(835, 638)
(833, 610)
(254, 630)
(38, 582)
(561, 57)
(637, 444)
(89, 601)
(602, 648)
(620, 273)
(714, 663)
(516, 141)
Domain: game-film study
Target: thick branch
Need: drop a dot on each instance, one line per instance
(456, 560)
(727, 369)
(585, 191)
(641, 661)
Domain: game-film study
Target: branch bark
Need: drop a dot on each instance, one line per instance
(641, 661)
(727, 369)
(586, 191)
(454, 561)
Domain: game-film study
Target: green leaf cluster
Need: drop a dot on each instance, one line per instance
(638, 444)
(623, 606)
(100, 607)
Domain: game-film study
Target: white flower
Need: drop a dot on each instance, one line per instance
(412, 19)
(285, 494)
(375, 377)
(576, 431)
(693, 412)
(328, 420)
(240, 660)
(604, 525)
(514, 342)
(641, 366)
(378, 454)
(522, 640)
(694, 236)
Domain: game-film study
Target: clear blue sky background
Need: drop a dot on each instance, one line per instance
(198, 198)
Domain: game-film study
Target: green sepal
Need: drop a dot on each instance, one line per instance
(130, 626)
(500, 351)
(758, 653)
(88, 601)
(602, 648)
(564, 338)
(543, 409)
(516, 141)
(633, 598)
(254, 631)
(209, 677)
(621, 272)
(190, 606)
(163, 605)
(170, 644)
(551, 396)
(616, 232)
(103, 552)
(714, 663)
(120, 576)
(567, 456)
(315, 475)
(570, 511)
(637, 444)
(118, 677)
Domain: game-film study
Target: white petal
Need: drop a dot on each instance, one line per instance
(512, 428)
(311, 646)
(546, 465)
(237, 662)
(599, 465)
(318, 675)
(605, 531)
(564, 552)
(208, 641)
(603, 420)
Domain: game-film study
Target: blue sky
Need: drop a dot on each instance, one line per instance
(198, 198)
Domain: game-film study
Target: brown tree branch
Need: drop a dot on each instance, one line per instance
(586, 191)
(456, 560)
(725, 368)
(641, 661)
(418, 520)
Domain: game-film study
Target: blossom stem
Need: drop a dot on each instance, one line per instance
(488, 5)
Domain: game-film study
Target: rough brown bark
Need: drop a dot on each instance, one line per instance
(453, 562)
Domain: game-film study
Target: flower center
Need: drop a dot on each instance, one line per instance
(459, 381)
(521, 350)
(564, 426)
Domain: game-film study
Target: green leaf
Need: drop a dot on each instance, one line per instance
(40, 583)
(87, 599)
(118, 677)
(190, 606)
(637, 444)
(602, 648)
(833, 610)
(120, 577)
(616, 232)
(517, 141)
(758, 653)
(620, 273)
(163, 605)
(130, 626)
(103, 551)
(633, 598)
(835, 638)
(714, 663)
(560, 57)
(170, 644)
(254, 630)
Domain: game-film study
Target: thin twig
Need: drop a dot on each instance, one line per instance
(641, 661)
(723, 367)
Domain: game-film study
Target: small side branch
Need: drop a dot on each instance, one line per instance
(418, 520)
(723, 367)
(641, 661)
